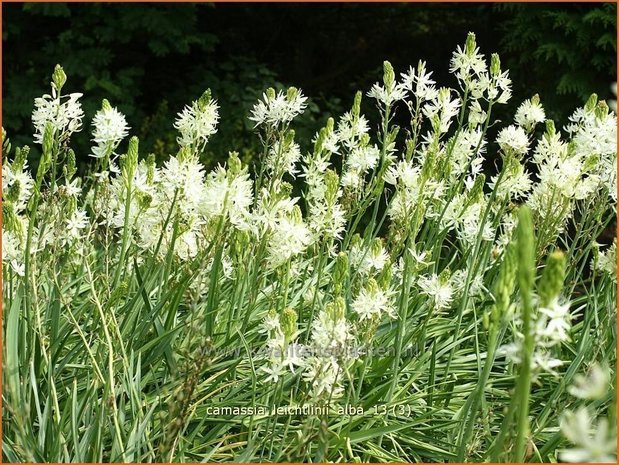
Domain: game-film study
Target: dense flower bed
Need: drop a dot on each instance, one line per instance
(418, 293)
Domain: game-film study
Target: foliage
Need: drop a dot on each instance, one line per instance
(403, 304)
(572, 48)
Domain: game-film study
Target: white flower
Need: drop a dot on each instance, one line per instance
(293, 356)
(419, 82)
(65, 116)
(515, 183)
(443, 108)
(282, 159)
(21, 179)
(529, 113)
(556, 325)
(373, 301)
(595, 443)
(110, 127)
(198, 121)
(606, 261)
(12, 251)
(513, 139)
(186, 174)
(363, 159)
(595, 385)
(290, 237)
(368, 260)
(274, 370)
(75, 224)
(324, 376)
(466, 63)
(439, 290)
(278, 108)
(331, 332)
(351, 128)
(224, 193)
(271, 323)
(387, 95)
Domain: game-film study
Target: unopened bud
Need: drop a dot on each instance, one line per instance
(234, 163)
(471, 44)
(495, 64)
(59, 78)
(591, 102)
(204, 100)
(289, 323)
(551, 282)
(388, 75)
(356, 106)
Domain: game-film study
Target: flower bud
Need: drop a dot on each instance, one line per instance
(495, 65)
(10, 220)
(526, 249)
(336, 309)
(388, 75)
(184, 154)
(471, 45)
(505, 283)
(340, 272)
(289, 323)
(70, 167)
(105, 105)
(205, 100)
(384, 278)
(320, 140)
(270, 93)
(550, 127)
(129, 162)
(150, 168)
(292, 93)
(12, 193)
(6, 143)
(551, 282)
(356, 106)
(21, 155)
(591, 102)
(477, 191)
(295, 215)
(601, 110)
(48, 145)
(234, 163)
(58, 78)
(332, 182)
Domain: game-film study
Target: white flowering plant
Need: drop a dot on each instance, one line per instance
(406, 294)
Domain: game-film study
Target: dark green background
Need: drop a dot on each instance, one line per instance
(151, 59)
